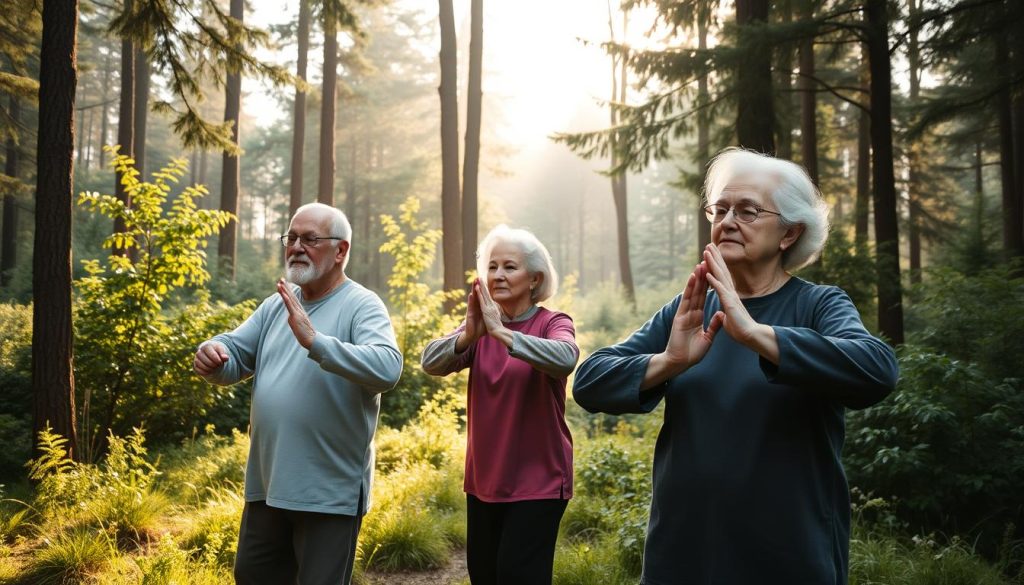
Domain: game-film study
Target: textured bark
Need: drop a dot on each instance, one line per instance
(299, 115)
(125, 123)
(784, 117)
(1015, 239)
(105, 118)
(755, 116)
(227, 246)
(451, 222)
(808, 102)
(703, 129)
(325, 187)
(9, 241)
(619, 185)
(471, 165)
(1008, 173)
(142, 75)
(890, 290)
(863, 206)
(53, 383)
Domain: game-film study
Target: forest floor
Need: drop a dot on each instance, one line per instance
(452, 574)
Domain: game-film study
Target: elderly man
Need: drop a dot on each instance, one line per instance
(321, 352)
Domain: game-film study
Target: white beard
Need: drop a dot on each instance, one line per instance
(303, 274)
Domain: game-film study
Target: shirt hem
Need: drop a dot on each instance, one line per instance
(346, 510)
(558, 495)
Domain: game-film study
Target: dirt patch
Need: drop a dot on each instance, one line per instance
(454, 574)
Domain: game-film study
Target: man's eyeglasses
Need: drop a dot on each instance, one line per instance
(289, 240)
(744, 212)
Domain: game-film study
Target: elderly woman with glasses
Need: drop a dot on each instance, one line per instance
(756, 376)
(519, 450)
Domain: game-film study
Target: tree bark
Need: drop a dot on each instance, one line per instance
(890, 290)
(142, 75)
(471, 166)
(325, 187)
(808, 102)
(125, 124)
(755, 115)
(618, 179)
(299, 116)
(784, 118)
(53, 382)
(105, 117)
(1016, 222)
(1008, 173)
(9, 243)
(863, 206)
(913, 151)
(451, 223)
(227, 245)
(703, 128)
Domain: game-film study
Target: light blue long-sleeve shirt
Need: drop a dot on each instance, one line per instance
(314, 412)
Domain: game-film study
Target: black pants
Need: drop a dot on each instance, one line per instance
(285, 547)
(512, 543)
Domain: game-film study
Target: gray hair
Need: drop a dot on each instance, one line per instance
(795, 195)
(536, 256)
(340, 227)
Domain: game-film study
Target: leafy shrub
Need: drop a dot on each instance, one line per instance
(432, 437)
(974, 318)
(844, 264)
(16, 381)
(418, 314)
(212, 536)
(590, 563)
(886, 560)
(132, 353)
(948, 445)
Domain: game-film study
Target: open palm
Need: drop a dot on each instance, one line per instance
(688, 341)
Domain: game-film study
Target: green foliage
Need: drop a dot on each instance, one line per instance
(16, 380)
(133, 344)
(590, 563)
(851, 267)
(418, 314)
(400, 540)
(212, 536)
(206, 464)
(948, 445)
(432, 438)
(975, 318)
(886, 560)
(70, 557)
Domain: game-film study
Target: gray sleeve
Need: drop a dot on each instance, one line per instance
(372, 359)
(241, 345)
(552, 356)
(439, 357)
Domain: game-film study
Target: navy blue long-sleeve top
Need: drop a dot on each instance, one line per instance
(748, 482)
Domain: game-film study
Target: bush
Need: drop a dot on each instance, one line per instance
(886, 560)
(403, 539)
(206, 464)
(948, 446)
(590, 563)
(16, 380)
(212, 536)
(70, 557)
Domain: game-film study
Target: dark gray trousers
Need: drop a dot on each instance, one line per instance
(285, 547)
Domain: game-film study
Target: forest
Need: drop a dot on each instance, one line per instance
(155, 150)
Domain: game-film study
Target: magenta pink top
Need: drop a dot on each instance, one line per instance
(519, 447)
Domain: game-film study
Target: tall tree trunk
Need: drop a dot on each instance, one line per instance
(890, 290)
(325, 188)
(227, 246)
(1016, 239)
(299, 116)
(755, 115)
(784, 117)
(451, 222)
(88, 138)
(142, 74)
(863, 206)
(808, 101)
(53, 382)
(125, 123)
(9, 243)
(471, 166)
(1008, 174)
(703, 127)
(618, 179)
(105, 117)
(913, 151)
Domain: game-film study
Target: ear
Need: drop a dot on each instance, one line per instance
(343, 247)
(791, 236)
(536, 280)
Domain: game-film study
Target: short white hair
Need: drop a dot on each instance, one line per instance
(535, 255)
(340, 226)
(794, 194)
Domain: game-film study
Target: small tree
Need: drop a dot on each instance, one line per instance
(419, 312)
(126, 341)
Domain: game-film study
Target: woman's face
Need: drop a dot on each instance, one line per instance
(757, 243)
(507, 278)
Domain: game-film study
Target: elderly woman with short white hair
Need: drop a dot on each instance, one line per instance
(756, 376)
(519, 450)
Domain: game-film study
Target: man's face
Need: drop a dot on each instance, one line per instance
(308, 263)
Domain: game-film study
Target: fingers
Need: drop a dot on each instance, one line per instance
(290, 303)
(209, 358)
(716, 323)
